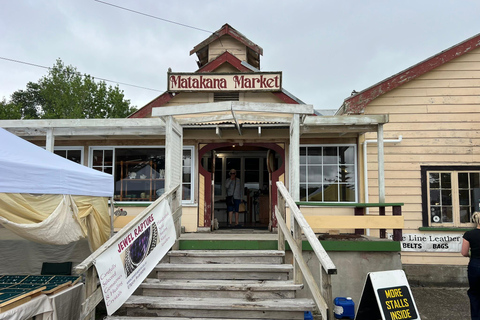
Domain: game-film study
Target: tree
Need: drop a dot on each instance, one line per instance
(66, 94)
(9, 110)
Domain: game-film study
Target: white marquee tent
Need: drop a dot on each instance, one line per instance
(27, 168)
(48, 199)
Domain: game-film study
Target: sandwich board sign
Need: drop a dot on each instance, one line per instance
(387, 296)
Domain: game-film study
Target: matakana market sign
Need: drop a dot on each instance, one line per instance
(258, 81)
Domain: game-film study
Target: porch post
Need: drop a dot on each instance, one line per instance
(173, 153)
(294, 158)
(50, 140)
(381, 166)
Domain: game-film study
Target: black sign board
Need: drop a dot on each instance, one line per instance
(387, 296)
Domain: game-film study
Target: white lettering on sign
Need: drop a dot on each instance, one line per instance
(261, 81)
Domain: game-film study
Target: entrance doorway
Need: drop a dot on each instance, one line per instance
(258, 167)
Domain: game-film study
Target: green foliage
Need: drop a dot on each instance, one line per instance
(66, 94)
(9, 110)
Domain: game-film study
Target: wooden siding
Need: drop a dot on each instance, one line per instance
(190, 98)
(261, 97)
(438, 116)
(227, 43)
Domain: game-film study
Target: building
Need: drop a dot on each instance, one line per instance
(380, 147)
(432, 163)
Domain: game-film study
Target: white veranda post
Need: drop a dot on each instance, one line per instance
(173, 153)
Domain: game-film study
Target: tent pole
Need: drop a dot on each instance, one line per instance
(112, 213)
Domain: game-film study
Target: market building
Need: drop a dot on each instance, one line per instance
(410, 141)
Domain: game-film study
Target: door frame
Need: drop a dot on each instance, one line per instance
(208, 182)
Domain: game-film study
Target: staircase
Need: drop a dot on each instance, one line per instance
(218, 284)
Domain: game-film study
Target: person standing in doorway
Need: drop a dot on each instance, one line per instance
(471, 247)
(234, 190)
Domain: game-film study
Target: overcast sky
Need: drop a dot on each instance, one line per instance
(325, 49)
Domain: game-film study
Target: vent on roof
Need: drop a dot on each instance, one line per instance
(226, 96)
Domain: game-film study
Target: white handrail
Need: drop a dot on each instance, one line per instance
(322, 297)
(88, 262)
(93, 294)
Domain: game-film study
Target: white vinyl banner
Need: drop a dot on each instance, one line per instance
(427, 242)
(124, 266)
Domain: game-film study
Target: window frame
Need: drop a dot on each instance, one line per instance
(192, 182)
(355, 164)
(71, 148)
(425, 187)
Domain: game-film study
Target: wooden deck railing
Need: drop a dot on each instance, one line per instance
(93, 292)
(322, 296)
(360, 221)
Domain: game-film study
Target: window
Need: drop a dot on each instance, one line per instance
(74, 154)
(328, 173)
(139, 172)
(450, 195)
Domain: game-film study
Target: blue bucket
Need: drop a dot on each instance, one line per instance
(344, 308)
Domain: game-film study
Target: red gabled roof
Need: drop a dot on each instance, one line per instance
(357, 103)
(146, 111)
(227, 29)
(225, 57)
(211, 66)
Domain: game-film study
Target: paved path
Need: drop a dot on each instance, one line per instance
(442, 303)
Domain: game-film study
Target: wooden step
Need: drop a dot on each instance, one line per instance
(217, 308)
(168, 318)
(226, 256)
(224, 271)
(246, 289)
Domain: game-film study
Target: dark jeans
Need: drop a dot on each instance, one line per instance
(474, 291)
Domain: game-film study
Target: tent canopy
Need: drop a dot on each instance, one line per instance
(27, 168)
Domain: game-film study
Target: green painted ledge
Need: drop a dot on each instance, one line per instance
(329, 245)
(444, 229)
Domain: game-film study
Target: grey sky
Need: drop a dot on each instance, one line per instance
(325, 49)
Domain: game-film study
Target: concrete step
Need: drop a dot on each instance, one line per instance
(226, 256)
(224, 271)
(223, 308)
(241, 289)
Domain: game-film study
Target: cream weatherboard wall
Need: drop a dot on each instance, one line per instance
(438, 116)
(229, 44)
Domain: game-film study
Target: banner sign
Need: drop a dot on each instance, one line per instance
(255, 81)
(387, 295)
(124, 266)
(431, 242)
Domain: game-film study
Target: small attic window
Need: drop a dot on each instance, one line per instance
(226, 96)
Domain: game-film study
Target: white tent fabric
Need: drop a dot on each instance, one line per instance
(49, 199)
(26, 168)
(61, 227)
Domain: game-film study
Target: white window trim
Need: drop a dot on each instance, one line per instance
(455, 199)
(77, 148)
(185, 147)
(355, 165)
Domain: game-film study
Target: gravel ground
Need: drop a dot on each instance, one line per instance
(442, 303)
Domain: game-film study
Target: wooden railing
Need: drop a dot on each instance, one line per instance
(93, 292)
(360, 221)
(322, 296)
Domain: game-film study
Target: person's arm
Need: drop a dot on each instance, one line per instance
(465, 248)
